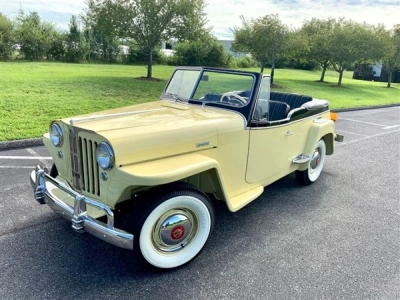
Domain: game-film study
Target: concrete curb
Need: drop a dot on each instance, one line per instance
(365, 107)
(35, 142)
(18, 144)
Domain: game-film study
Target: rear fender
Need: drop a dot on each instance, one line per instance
(320, 129)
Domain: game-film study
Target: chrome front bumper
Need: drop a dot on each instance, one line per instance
(78, 214)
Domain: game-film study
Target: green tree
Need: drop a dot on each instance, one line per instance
(58, 48)
(296, 48)
(77, 47)
(100, 47)
(6, 37)
(148, 22)
(354, 43)
(266, 39)
(391, 58)
(101, 37)
(29, 36)
(318, 34)
(49, 37)
(34, 36)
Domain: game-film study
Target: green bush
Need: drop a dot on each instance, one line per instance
(245, 62)
(300, 64)
(206, 51)
(137, 56)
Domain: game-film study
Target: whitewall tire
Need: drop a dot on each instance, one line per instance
(175, 227)
(315, 165)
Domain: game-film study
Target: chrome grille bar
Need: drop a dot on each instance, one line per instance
(85, 170)
(90, 168)
(74, 159)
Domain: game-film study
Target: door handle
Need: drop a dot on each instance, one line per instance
(289, 133)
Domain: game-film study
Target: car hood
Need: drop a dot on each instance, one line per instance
(158, 129)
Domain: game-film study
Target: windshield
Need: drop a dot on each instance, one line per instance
(232, 89)
(182, 83)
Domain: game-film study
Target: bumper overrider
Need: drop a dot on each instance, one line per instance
(81, 222)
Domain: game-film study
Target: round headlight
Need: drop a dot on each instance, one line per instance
(56, 135)
(105, 156)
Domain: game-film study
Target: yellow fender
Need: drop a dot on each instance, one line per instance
(171, 169)
(320, 128)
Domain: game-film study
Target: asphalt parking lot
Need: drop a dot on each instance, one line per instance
(336, 239)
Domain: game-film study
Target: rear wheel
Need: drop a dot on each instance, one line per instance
(175, 227)
(315, 165)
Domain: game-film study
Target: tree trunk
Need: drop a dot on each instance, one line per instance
(272, 73)
(340, 77)
(262, 67)
(150, 64)
(324, 67)
(389, 79)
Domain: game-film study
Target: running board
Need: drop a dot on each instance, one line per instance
(301, 159)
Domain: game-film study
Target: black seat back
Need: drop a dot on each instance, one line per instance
(293, 100)
(278, 110)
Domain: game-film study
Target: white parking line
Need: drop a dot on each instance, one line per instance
(390, 127)
(17, 167)
(366, 138)
(341, 131)
(38, 157)
(42, 159)
(381, 125)
(27, 157)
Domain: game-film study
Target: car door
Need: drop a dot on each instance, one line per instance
(271, 151)
(273, 147)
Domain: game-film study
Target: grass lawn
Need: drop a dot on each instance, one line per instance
(352, 93)
(33, 94)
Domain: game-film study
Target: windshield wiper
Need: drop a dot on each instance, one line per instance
(176, 98)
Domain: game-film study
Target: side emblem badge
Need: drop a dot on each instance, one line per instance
(202, 144)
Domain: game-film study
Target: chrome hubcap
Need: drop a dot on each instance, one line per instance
(315, 160)
(174, 230)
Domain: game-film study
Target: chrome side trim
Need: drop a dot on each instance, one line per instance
(285, 124)
(290, 114)
(285, 119)
(73, 121)
(77, 215)
(310, 105)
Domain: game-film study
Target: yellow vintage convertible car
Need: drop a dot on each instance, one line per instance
(214, 133)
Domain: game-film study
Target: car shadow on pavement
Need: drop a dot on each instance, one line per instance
(52, 259)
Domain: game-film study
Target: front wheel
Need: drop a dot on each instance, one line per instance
(315, 165)
(175, 227)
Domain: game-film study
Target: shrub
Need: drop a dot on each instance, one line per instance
(206, 51)
(245, 62)
(137, 56)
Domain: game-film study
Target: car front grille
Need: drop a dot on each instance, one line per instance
(84, 167)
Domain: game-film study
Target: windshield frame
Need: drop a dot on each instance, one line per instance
(245, 110)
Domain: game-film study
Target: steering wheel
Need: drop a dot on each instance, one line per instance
(236, 96)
